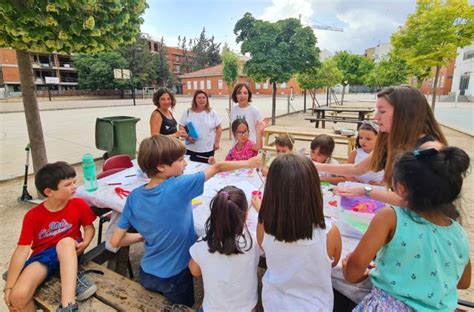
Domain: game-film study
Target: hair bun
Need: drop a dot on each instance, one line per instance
(457, 160)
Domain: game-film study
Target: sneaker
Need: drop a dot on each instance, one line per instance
(70, 308)
(84, 287)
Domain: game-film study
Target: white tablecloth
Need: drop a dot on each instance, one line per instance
(247, 180)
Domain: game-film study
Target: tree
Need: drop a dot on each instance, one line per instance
(184, 45)
(64, 26)
(278, 50)
(96, 71)
(431, 35)
(163, 75)
(389, 72)
(325, 76)
(205, 51)
(140, 62)
(354, 69)
(230, 74)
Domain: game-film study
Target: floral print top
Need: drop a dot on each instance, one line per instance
(243, 154)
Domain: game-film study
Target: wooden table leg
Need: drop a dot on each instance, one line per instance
(119, 263)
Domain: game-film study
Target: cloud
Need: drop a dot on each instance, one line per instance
(365, 23)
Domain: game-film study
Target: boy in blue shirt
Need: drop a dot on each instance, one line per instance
(161, 213)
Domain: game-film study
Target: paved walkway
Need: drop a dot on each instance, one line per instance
(69, 126)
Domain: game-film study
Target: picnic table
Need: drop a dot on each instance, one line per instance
(246, 179)
(361, 113)
(307, 134)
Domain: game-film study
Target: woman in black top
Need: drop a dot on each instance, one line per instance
(162, 120)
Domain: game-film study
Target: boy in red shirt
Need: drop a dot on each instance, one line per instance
(52, 232)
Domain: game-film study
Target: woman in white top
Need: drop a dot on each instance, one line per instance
(243, 110)
(300, 247)
(227, 256)
(365, 143)
(207, 124)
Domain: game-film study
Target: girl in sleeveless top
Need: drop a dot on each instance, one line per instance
(365, 143)
(300, 246)
(421, 254)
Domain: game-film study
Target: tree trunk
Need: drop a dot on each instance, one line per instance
(435, 88)
(274, 92)
(343, 91)
(32, 114)
(304, 101)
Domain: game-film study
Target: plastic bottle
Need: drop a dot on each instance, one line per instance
(90, 177)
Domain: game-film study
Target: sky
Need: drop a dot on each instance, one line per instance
(365, 23)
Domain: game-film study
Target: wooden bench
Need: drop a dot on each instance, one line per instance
(333, 119)
(114, 293)
(339, 158)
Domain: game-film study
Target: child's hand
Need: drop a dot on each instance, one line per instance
(80, 247)
(256, 201)
(211, 160)
(183, 134)
(254, 162)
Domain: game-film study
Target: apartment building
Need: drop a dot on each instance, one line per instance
(51, 70)
(463, 73)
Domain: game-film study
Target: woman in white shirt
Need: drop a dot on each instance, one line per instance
(207, 124)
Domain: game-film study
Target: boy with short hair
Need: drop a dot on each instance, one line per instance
(322, 148)
(283, 144)
(52, 231)
(161, 212)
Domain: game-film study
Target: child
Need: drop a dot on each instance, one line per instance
(227, 256)
(365, 144)
(245, 148)
(322, 147)
(422, 255)
(284, 145)
(52, 232)
(161, 213)
(300, 247)
(243, 110)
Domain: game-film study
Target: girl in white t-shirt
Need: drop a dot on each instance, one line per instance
(300, 246)
(243, 110)
(365, 143)
(207, 123)
(227, 256)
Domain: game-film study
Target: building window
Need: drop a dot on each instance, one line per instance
(178, 68)
(177, 58)
(201, 84)
(195, 83)
(257, 86)
(220, 85)
(265, 85)
(468, 55)
(208, 84)
(283, 85)
(188, 85)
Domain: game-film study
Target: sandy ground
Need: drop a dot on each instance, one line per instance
(11, 212)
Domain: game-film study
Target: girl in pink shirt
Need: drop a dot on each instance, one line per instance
(245, 148)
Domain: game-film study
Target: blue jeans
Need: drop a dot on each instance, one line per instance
(179, 289)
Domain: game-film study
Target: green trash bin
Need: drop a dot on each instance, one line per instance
(116, 135)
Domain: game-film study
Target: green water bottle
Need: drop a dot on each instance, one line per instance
(90, 177)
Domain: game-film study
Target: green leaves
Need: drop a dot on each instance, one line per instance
(354, 68)
(67, 26)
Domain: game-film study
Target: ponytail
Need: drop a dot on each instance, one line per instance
(226, 224)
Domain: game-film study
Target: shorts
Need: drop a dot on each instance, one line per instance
(47, 257)
(179, 289)
(380, 300)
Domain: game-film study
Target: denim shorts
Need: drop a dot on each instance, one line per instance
(179, 289)
(47, 257)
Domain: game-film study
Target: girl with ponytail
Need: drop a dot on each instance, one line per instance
(227, 256)
(422, 252)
